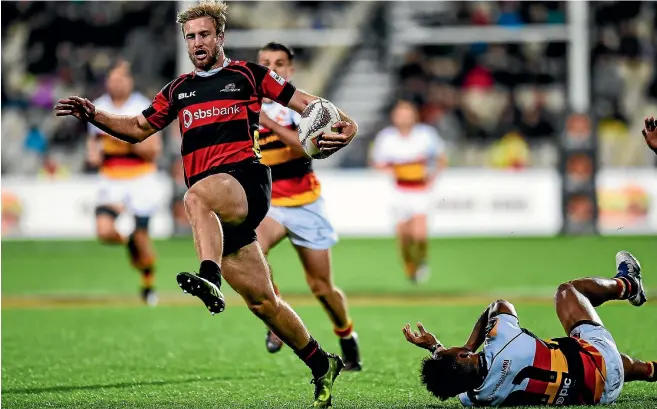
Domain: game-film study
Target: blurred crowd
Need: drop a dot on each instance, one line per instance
(55, 49)
(505, 104)
(496, 104)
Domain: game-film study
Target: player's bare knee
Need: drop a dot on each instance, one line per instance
(565, 290)
(105, 236)
(404, 236)
(194, 202)
(105, 232)
(419, 236)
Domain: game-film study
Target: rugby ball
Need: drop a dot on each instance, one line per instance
(316, 120)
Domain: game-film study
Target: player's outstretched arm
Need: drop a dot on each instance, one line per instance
(131, 129)
(479, 331)
(330, 142)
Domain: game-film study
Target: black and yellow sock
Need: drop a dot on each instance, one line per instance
(147, 277)
(344, 332)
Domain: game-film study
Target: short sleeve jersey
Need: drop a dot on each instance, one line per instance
(525, 370)
(218, 114)
(410, 156)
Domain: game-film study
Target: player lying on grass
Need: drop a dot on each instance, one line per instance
(517, 368)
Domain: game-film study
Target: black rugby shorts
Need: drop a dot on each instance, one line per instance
(255, 179)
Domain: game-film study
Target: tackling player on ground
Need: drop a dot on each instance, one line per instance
(126, 172)
(218, 108)
(414, 154)
(516, 368)
(297, 210)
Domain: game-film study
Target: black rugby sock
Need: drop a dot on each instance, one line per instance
(314, 357)
(211, 272)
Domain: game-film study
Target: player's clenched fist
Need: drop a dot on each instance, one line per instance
(650, 133)
(81, 108)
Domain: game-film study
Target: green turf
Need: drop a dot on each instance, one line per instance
(181, 357)
(518, 266)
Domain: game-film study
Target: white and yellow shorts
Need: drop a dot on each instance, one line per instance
(409, 203)
(136, 195)
(307, 226)
(601, 339)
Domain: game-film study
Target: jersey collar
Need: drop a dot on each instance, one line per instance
(214, 70)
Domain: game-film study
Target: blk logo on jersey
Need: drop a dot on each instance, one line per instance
(184, 95)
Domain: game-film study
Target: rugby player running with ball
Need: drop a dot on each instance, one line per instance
(218, 109)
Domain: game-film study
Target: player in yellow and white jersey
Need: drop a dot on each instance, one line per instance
(126, 177)
(297, 209)
(413, 153)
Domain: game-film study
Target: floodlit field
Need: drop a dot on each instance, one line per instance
(74, 333)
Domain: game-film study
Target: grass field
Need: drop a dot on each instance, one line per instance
(75, 335)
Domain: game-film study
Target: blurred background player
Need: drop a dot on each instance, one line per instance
(414, 154)
(126, 173)
(516, 368)
(297, 208)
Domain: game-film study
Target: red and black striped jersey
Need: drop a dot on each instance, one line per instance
(218, 114)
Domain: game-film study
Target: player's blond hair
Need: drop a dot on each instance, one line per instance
(217, 10)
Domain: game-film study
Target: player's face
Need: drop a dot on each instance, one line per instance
(203, 43)
(404, 115)
(119, 83)
(277, 61)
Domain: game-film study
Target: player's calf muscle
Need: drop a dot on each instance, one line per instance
(259, 295)
(264, 305)
(636, 370)
(319, 286)
(596, 290)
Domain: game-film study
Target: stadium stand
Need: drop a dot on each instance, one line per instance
(483, 98)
